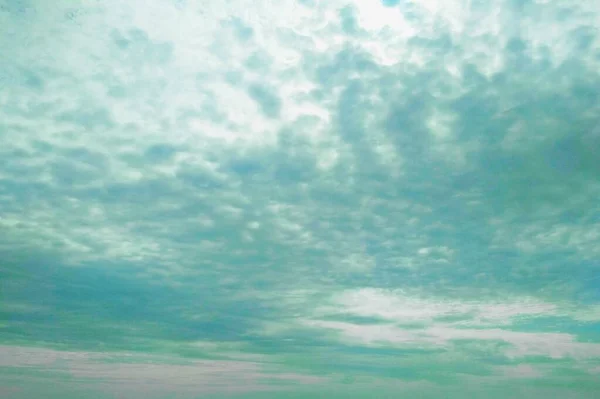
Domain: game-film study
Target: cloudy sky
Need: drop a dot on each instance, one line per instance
(299, 199)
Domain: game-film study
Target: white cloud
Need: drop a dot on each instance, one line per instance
(440, 322)
(400, 307)
(552, 345)
(259, 147)
(520, 371)
(129, 370)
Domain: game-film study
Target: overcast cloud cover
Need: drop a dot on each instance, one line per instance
(299, 199)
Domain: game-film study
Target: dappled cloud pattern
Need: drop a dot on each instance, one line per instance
(299, 198)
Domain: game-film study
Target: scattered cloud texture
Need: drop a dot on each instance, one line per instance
(299, 199)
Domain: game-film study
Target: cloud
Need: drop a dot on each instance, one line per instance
(399, 307)
(167, 374)
(521, 371)
(324, 184)
(553, 345)
(379, 317)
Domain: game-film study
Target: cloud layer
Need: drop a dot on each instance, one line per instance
(322, 197)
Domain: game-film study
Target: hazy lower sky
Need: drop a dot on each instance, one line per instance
(299, 199)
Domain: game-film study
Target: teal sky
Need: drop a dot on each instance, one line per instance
(299, 199)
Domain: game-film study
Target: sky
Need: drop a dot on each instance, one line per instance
(299, 199)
